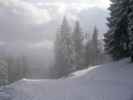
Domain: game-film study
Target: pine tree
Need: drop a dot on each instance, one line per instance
(95, 38)
(23, 67)
(3, 72)
(92, 49)
(117, 38)
(12, 69)
(88, 51)
(95, 48)
(62, 51)
(130, 28)
(77, 46)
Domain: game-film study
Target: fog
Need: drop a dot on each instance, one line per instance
(28, 27)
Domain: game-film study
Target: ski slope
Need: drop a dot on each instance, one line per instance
(112, 81)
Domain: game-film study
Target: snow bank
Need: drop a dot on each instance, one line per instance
(116, 71)
(112, 81)
(83, 72)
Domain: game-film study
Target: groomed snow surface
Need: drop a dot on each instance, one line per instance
(112, 81)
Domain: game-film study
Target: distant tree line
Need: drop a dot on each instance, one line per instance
(75, 50)
(119, 38)
(12, 69)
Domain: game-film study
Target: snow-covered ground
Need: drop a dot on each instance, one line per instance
(112, 81)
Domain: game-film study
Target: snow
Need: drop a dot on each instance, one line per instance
(112, 81)
(83, 72)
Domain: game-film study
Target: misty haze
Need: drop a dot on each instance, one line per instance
(66, 49)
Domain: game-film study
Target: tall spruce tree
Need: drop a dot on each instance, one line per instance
(24, 68)
(87, 51)
(62, 51)
(117, 38)
(77, 46)
(92, 49)
(95, 48)
(130, 28)
(95, 38)
(3, 72)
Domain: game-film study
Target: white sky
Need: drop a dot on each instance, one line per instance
(29, 13)
(100, 3)
(37, 11)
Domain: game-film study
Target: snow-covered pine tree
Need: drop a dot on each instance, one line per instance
(117, 38)
(95, 49)
(95, 38)
(87, 51)
(77, 45)
(92, 49)
(62, 51)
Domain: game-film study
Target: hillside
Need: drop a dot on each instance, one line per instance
(112, 81)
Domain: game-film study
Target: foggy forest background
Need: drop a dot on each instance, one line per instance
(73, 50)
(35, 45)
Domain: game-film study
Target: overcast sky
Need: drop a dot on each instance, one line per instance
(31, 20)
